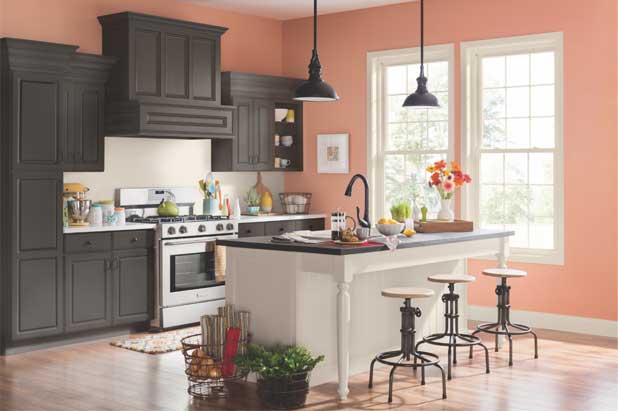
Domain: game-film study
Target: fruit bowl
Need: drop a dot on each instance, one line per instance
(390, 229)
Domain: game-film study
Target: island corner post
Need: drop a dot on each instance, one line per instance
(315, 296)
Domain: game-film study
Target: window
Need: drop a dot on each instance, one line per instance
(403, 141)
(512, 141)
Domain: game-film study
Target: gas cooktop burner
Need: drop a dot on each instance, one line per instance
(179, 219)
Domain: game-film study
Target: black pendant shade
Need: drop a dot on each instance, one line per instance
(421, 98)
(315, 89)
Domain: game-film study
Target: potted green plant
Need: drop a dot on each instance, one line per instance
(283, 373)
(252, 198)
(401, 211)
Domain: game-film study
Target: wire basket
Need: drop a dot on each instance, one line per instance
(295, 203)
(205, 368)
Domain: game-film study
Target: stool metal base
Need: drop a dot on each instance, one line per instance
(407, 352)
(451, 331)
(504, 326)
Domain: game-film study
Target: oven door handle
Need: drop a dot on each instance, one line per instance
(188, 242)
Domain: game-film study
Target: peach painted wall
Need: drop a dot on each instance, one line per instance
(251, 44)
(587, 283)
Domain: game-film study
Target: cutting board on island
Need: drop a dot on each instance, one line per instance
(441, 226)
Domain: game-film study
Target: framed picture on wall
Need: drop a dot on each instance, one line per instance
(333, 153)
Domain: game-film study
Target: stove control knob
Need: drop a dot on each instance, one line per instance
(171, 231)
(201, 228)
(219, 227)
(183, 229)
(229, 226)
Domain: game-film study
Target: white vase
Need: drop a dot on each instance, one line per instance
(446, 210)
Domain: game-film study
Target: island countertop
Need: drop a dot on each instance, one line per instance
(418, 240)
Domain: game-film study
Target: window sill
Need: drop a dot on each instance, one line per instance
(549, 257)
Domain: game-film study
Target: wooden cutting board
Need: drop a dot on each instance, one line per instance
(437, 226)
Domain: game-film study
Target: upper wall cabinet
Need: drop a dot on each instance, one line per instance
(54, 105)
(167, 82)
(258, 99)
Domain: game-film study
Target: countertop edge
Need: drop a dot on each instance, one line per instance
(333, 250)
(280, 217)
(108, 228)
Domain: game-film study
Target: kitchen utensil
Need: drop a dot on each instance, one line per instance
(75, 190)
(280, 114)
(78, 212)
(390, 229)
(287, 141)
(260, 187)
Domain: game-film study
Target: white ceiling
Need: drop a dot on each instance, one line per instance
(292, 9)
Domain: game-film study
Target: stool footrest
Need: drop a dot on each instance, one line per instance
(519, 329)
(466, 340)
(420, 355)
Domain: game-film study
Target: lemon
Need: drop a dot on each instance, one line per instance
(408, 232)
(383, 220)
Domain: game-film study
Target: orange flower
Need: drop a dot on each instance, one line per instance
(455, 166)
(439, 165)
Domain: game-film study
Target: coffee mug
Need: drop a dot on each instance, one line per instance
(286, 141)
(285, 162)
(363, 233)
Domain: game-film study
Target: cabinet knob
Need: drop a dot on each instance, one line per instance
(88, 243)
(280, 229)
(134, 240)
(248, 231)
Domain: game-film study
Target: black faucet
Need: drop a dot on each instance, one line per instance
(363, 222)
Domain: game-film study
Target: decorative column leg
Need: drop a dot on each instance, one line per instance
(343, 335)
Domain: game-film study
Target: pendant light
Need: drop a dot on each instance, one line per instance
(421, 98)
(315, 89)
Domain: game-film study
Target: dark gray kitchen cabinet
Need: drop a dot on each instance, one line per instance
(36, 298)
(253, 147)
(88, 291)
(117, 270)
(132, 286)
(167, 82)
(271, 228)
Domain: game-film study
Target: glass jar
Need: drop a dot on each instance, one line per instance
(119, 216)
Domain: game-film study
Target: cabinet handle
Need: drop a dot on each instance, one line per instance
(248, 231)
(88, 243)
(134, 240)
(281, 229)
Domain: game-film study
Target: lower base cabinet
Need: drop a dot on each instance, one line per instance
(132, 288)
(272, 228)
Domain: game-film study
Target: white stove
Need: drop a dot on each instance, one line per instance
(190, 267)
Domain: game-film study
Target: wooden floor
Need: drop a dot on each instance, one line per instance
(573, 372)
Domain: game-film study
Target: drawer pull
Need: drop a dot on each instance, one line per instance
(248, 231)
(88, 243)
(134, 240)
(281, 229)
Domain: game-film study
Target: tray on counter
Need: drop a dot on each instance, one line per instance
(438, 226)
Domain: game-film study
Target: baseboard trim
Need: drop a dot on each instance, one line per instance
(581, 325)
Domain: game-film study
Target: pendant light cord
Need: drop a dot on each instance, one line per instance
(422, 38)
(315, 24)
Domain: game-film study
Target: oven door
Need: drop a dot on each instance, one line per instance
(189, 271)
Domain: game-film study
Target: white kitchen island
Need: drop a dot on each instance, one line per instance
(327, 298)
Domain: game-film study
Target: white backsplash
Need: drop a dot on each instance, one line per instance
(146, 162)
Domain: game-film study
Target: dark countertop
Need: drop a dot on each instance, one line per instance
(418, 240)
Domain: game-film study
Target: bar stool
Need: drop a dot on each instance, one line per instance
(451, 320)
(407, 351)
(504, 326)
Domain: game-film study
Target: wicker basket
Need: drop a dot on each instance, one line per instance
(295, 203)
(204, 368)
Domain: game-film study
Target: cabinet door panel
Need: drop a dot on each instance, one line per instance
(176, 66)
(132, 287)
(250, 230)
(278, 227)
(147, 50)
(36, 286)
(38, 212)
(204, 69)
(37, 110)
(86, 135)
(88, 292)
(314, 224)
(263, 134)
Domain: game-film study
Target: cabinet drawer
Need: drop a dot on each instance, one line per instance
(250, 230)
(278, 227)
(313, 224)
(87, 243)
(131, 240)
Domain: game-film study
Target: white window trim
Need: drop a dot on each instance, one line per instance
(376, 124)
(471, 127)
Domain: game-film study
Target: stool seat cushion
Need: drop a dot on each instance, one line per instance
(451, 278)
(407, 292)
(504, 272)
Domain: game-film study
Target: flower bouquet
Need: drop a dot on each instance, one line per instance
(446, 180)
